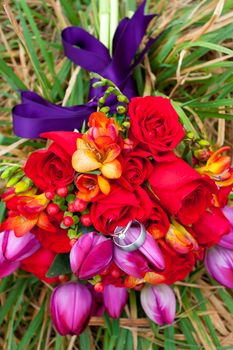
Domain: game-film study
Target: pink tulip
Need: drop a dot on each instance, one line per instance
(219, 264)
(91, 254)
(71, 306)
(14, 249)
(159, 303)
(115, 299)
(137, 263)
(132, 263)
(227, 240)
(18, 248)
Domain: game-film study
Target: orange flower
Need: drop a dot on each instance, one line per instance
(90, 185)
(218, 168)
(98, 149)
(26, 212)
(180, 239)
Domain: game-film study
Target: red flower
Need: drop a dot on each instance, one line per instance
(57, 241)
(155, 126)
(39, 264)
(181, 190)
(157, 222)
(177, 266)
(136, 169)
(118, 208)
(211, 226)
(51, 168)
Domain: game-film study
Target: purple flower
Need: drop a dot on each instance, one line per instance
(227, 240)
(14, 249)
(71, 306)
(219, 264)
(91, 254)
(138, 262)
(115, 299)
(159, 303)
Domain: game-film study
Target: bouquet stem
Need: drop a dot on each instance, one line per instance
(108, 15)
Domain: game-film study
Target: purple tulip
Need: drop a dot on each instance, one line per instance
(13, 249)
(132, 263)
(18, 248)
(7, 267)
(219, 264)
(71, 306)
(115, 299)
(227, 240)
(159, 303)
(91, 254)
(138, 262)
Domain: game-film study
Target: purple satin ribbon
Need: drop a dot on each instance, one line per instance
(35, 115)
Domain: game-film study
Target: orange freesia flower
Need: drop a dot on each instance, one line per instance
(25, 212)
(180, 239)
(90, 185)
(98, 149)
(218, 168)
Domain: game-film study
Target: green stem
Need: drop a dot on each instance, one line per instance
(114, 13)
(104, 18)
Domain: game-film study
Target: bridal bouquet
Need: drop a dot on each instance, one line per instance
(123, 196)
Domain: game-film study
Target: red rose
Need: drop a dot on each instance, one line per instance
(177, 266)
(155, 125)
(157, 222)
(39, 264)
(51, 168)
(57, 241)
(136, 170)
(181, 190)
(119, 207)
(211, 226)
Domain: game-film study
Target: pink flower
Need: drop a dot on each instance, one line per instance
(71, 306)
(91, 254)
(115, 299)
(159, 303)
(219, 264)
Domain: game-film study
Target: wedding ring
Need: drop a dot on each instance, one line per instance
(120, 234)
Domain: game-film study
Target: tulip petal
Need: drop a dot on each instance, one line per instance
(219, 264)
(8, 267)
(90, 248)
(115, 299)
(159, 303)
(71, 305)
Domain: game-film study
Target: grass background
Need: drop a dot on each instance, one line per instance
(192, 64)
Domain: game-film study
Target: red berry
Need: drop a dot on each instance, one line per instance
(49, 195)
(52, 209)
(79, 205)
(86, 220)
(68, 221)
(99, 287)
(71, 207)
(62, 191)
(115, 273)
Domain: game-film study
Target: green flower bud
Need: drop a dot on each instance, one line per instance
(121, 109)
(9, 171)
(203, 143)
(16, 177)
(126, 125)
(101, 100)
(23, 185)
(105, 109)
(122, 98)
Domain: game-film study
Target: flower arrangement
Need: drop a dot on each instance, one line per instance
(114, 202)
